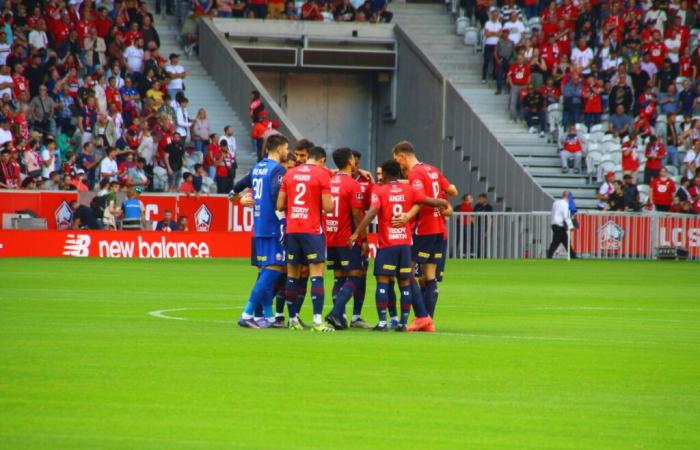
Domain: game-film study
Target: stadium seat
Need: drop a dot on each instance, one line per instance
(592, 162)
(461, 25)
(605, 167)
(616, 156)
(596, 128)
(592, 146)
(643, 189)
(607, 138)
(672, 170)
(595, 136)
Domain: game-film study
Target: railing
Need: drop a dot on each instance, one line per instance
(601, 235)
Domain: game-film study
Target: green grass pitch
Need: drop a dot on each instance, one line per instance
(528, 355)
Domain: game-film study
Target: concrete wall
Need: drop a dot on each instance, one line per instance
(235, 79)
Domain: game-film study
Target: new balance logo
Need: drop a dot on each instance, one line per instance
(77, 245)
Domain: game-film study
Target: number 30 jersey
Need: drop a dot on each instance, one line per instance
(266, 179)
(304, 186)
(432, 183)
(392, 199)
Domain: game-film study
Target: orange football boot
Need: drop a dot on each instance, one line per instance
(420, 323)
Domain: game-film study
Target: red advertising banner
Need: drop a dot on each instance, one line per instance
(52, 206)
(123, 244)
(156, 205)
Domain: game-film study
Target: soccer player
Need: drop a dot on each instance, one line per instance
(266, 178)
(430, 224)
(348, 210)
(395, 203)
(304, 195)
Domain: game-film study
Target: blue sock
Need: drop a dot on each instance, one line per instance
(301, 293)
(429, 297)
(262, 293)
(391, 304)
(382, 297)
(258, 310)
(337, 284)
(291, 293)
(318, 293)
(406, 302)
(359, 296)
(418, 305)
(344, 295)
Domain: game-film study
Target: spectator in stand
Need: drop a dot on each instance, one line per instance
(344, 12)
(136, 175)
(691, 161)
(108, 166)
(466, 237)
(515, 28)
(174, 161)
(183, 223)
(573, 99)
(661, 191)
(592, 101)
(668, 133)
(229, 140)
(182, 118)
(534, 108)
(630, 155)
(187, 185)
(167, 224)
(492, 33)
(621, 95)
(518, 77)
(176, 74)
(42, 111)
(630, 193)
(655, 153)
(605, 190)
(505, 49)
(201, 131)
(620, 122)
(112, 210)
(616, 201)
(82, 218)
(571, 148)
(687, 98)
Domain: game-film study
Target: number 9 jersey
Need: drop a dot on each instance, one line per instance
(266, 179)
(432, 183)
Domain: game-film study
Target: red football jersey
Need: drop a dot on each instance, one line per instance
(519, 74)
(431, 182)
(366, 184)
(663, 191)
(347, 195)
(391, 199)
(304, 185)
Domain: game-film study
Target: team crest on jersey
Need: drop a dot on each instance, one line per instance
(202, 218)
(610, 236)
(64, 216)
(359, 196)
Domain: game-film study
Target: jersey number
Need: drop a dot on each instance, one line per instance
(301, 191)
(336, 207)
(397, 209)
(257, 188)
(436, 189)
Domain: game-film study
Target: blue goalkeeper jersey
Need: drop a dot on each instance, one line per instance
(265, 179)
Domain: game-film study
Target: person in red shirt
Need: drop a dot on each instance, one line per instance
(592, 101)
(112, 94)
(661, 191)
(430, 224)
(550, 52)
(630, 159)
(686, 68)
(655, 153)
(466, 206)
(187, 185)
(304, 194)
(657, 50)
(518, 77)
(103, 23)
(394, 204)
(310, 11)
(343, 258)
(20, 86)
(568, 13)
(571, 148)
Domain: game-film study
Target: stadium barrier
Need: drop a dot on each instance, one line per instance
(599, 235)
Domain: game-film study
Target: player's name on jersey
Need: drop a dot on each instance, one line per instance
(396, 233)
(299, 212)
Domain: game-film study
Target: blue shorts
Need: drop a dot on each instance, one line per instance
(268, 251)
(305, 248)
(345, 258)
(426, 248)
(253, 259)
(441, 261)
(393, 261)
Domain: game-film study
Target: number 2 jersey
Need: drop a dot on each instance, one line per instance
(266, 179)
(391, 199)
(432, 183)
(304, 186)
(347, 195)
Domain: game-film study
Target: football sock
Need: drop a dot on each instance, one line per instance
(406, 301)
(318, 293)
(391, 305)
(417, 298)
(359, 297)
(337, 284)
(382, 298)
(301, 293)
(280, 297)
(261, 295)
(344, 295)
(429, 296)
(291, 293)
(258, 311)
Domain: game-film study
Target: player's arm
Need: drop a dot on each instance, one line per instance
(282, 201)
(326, 202)
(362, 226)
(402, 219)
(448, 187)
(326, 197)
(357, 216)
(447, 211)
(241, 185)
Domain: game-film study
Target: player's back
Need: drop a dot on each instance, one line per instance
(392, 199)
(304, 186)
(266, 177)
(432, 183)
(346, 194)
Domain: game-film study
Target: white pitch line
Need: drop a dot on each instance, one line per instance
(613, 308)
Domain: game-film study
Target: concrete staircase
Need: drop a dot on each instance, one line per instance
(202, 92)
(434, 31)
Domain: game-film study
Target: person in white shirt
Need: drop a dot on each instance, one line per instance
(134, 56)
(515, 28)
(673, 44)
(5, 48)
(656, 16)
(691, 161)
(560, 221)
(6, 81)
(108, 166)
(48, 159)
(5, 133)
(37, 37)
(582, 57)
(177, 75)
(182, 118)
(492, 32)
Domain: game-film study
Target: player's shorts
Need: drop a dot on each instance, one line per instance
(393, 261)
(268, 251)
(305, 248)
(344, 258)
(441, 261)
(426, 248)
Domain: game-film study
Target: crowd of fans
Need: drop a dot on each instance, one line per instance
(616, 83)
(86, 98)
(372, 11)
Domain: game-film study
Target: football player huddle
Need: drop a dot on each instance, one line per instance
(308, 219)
